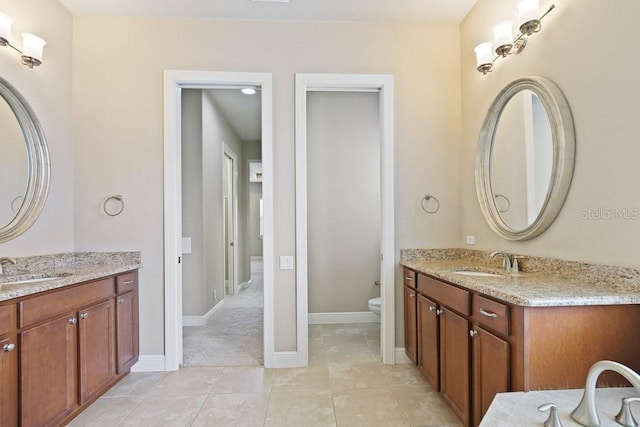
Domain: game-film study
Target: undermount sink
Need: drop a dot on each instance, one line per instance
(29, 278)
(477, 273)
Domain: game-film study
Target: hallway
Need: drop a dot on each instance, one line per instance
(233, 335)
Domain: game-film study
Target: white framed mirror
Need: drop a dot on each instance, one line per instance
(24, 164)
(525, 158)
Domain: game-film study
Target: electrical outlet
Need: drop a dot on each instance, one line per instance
(215, 294)
(471, 240)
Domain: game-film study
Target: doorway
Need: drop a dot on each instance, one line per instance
(175, 83)
(383, 86)
(230, 219)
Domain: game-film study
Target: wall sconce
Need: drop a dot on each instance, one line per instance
(506, 44)
(32, 45)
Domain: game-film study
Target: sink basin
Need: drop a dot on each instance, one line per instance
(477, 273)
(29, 278)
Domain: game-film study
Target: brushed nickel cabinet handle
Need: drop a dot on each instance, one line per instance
(438, 312)
(488, 313)
(432, 308)
(412, 295)
(73, 320)
(84, 315)
(9, 347)
(120, 300)
(127, 282)
(408, 278)
(473, 333)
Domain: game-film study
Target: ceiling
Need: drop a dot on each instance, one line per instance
(242, 111)
(444, 11)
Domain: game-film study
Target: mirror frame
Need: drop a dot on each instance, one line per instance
(563, 135)
(38, 164)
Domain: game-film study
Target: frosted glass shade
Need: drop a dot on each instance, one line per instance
(528, 10)
(503, 33)
(484, 53)
(32, 46)
(5, 26)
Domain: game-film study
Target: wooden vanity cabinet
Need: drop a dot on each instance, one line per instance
(410, 315)
(127, 321)
(8, 366)
(454, 363)
(70, 349)
(428, 341)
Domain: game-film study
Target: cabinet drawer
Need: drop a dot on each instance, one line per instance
(7, 318)
(444, 293)
(44, 307)
(409, 278)
(126, 282)
(491, 314)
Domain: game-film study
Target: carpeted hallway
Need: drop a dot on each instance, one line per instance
(233, 335)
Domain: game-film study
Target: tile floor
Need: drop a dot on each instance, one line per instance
(344, 385)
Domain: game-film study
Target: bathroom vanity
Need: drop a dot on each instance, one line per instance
(67, 340)
(478, 335)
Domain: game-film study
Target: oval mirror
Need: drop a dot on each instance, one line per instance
(24, 164)
(524, 163)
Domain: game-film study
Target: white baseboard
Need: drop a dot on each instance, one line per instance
(401, 356)
(349, 317)
(201, 320)
(284, 359)
(150, 363)
(244, 285)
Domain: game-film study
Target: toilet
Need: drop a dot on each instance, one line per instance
(375, 304)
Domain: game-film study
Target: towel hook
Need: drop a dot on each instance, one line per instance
(118, 198)
(506, 199)
(424, 205)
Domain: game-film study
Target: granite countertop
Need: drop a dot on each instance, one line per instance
(68, 269)
(521, 408)
(543, 283)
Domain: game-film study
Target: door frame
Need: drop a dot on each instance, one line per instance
(228, 151)
(383, 84)
(174, 82)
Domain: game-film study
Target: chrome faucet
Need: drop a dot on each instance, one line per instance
(586, 412)
(506, 260)
(5, 260)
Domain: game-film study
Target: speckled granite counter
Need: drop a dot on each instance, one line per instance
(520, 408)
(542, 282)
(68, 269)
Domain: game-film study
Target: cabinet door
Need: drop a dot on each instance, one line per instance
(454, 363)
(8, 381)
(410, 323)
(96, 327)
(490, 370)
(127, 330)
(428, 340)
(48, 372)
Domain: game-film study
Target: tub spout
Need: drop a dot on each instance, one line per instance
(586, 412)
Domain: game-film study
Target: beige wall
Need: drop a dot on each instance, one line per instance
(118, 66)
(252, 151)
(579, 49)
(255, 196)
(343, 200)
(47, 89)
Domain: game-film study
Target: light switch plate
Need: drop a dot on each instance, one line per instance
(186, 245)
(471, 240)
(286, 262)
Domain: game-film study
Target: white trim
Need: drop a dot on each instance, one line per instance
(228, 151)
(345, 317)
(201, 320)
(174, 82)
(382, 83)
(285, 359)
(401, 356)
(150, 363)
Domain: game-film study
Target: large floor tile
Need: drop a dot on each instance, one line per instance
(136, 384)
(351, 353)
(165, 411)
(197, 381)
(244, 379)
(233, 410)
(406, 376)
(425, 409)
(356, 375)
(106, 412)
(368, 408)
(305, 408)
(311, 378)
